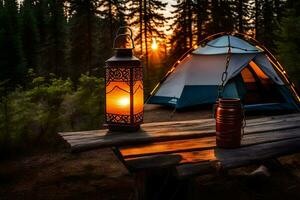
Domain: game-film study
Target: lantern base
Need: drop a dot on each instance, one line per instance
(121, 128)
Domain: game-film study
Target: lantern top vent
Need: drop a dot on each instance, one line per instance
(123, 56)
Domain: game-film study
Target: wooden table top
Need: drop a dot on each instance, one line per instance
(190, 146)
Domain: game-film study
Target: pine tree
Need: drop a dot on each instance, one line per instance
(221, 15)
(83, 36)
(41, 12)
(182, 27)
(201, 13)
(242, 15)
(113, 11)
(288, 42)
(30, 34)
(267, 33)
(256, 16)
(136, 13)
(279, 7)
(268, 14)
(55, 51)
(12, 66)
(153, 22)
(147, 14)
(112, 16)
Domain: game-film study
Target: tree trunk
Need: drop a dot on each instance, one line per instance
(110, 16)
(141, 24)
(190, 28)
(199, 21)
(256, 17)
(184, 26)
(240, 16)
(89, 43)
(146, 39)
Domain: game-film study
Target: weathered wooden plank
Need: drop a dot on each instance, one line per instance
(232, 158)
(203, 143)
(208, 155)
(192, 169)
(153, 162)
(186, 125)
(144, 127)
(197, 156)
(206, 130)
(168, 147)
(134, 138)
(137, 139)
(251, 140)
(179, 130)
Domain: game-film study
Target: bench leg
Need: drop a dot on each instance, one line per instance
(140, 186)
(160, 184)
(273, 164)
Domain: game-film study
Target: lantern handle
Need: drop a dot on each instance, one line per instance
(123, 35)
(124, 27)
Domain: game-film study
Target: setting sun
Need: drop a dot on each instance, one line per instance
(154, 45)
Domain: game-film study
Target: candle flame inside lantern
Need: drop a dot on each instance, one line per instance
(118, 98)
(123, 102)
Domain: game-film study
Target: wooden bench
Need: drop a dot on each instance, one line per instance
(187, 148)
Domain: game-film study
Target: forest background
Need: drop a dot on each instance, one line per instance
(53, 52)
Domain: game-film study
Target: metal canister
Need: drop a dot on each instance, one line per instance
(229, 122)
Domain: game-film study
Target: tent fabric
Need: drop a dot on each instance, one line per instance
(206, 94)
(221, 46)
(288, 96)
(173, 86)
(262, 61)
(201, 70)
(196, 78)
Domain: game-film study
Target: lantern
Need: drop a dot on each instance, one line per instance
(124, 93)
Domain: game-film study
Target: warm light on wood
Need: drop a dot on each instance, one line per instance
(154, 44)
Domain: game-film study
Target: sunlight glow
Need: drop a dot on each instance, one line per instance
(154, 45)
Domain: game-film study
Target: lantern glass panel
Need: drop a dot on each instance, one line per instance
(138, 97)
(118, 98)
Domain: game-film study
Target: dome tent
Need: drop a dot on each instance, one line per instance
(253, 75)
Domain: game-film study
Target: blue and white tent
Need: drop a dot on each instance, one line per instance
(251, 77)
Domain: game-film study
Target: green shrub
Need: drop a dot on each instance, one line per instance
(84, 107)
(32, 117)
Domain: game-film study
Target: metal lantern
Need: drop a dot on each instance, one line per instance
(124, 92)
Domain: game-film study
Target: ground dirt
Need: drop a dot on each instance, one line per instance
(99, 174)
